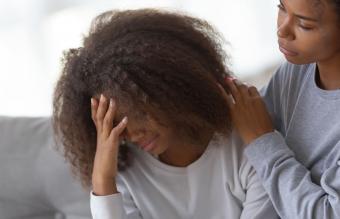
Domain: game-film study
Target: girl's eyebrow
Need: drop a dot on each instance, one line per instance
(303, 17)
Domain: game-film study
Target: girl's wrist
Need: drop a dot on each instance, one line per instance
(104, 186)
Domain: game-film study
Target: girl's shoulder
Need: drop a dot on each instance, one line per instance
(236, 167)
(231, 151)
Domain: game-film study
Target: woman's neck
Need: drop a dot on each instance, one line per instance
(183, 155)
(328, 77)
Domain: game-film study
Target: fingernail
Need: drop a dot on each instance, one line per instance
(111, 102)
(230, 79)
(92, 101)
(125, 119)
(220, 86)
(237, 82)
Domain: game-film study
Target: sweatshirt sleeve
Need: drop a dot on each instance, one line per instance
(115, 206)
(257, 204)
(288, 182)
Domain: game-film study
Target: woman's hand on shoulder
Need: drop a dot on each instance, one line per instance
(248, 111)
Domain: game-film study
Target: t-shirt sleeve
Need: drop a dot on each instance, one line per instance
(257, 204)
(107, 206)
(114, 206)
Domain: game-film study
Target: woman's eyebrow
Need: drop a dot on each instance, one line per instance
(303, 17)
(306, 18)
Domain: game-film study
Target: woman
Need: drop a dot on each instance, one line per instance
(298, 156)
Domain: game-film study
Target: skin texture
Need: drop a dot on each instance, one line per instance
(315, 37)
(161, 71)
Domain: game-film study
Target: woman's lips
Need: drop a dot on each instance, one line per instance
(150, 144)
(287, 52)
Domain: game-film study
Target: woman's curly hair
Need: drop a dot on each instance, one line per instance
(161, 63)
(337, 7)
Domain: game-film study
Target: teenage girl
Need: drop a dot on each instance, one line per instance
(152, 80)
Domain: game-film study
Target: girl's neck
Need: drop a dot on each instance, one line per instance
(328, 77)
(184, 154)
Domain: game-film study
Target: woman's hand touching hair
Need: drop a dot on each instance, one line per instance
(248, 111)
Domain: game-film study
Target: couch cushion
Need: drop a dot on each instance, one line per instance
(35, 180)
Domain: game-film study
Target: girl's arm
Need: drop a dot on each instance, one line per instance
(114, 206)
(108, 199)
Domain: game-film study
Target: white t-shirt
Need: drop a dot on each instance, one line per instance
(220, 184)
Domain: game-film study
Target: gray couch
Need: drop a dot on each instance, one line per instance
(35, 180)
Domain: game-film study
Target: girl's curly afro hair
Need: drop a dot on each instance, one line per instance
(160, 63)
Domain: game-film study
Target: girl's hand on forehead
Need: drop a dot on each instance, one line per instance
(248, 111)
(108, 137)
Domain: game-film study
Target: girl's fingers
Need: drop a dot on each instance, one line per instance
(108, 119)
(102, 108)
(94, 105)
(116, 131)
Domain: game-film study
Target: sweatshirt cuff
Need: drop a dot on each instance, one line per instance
(264, 149)
(106, 206)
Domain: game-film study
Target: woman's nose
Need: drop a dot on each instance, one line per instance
(285, 31)
(282, 33)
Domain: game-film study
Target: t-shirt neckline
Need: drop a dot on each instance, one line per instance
(182, 170)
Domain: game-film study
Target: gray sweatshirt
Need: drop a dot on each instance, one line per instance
(299, 164)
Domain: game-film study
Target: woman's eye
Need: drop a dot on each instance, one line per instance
(306, 28)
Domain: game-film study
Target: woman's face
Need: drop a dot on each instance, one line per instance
(308, 31)
(147, 134)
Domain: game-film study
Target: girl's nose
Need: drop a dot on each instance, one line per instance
(135, 136)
